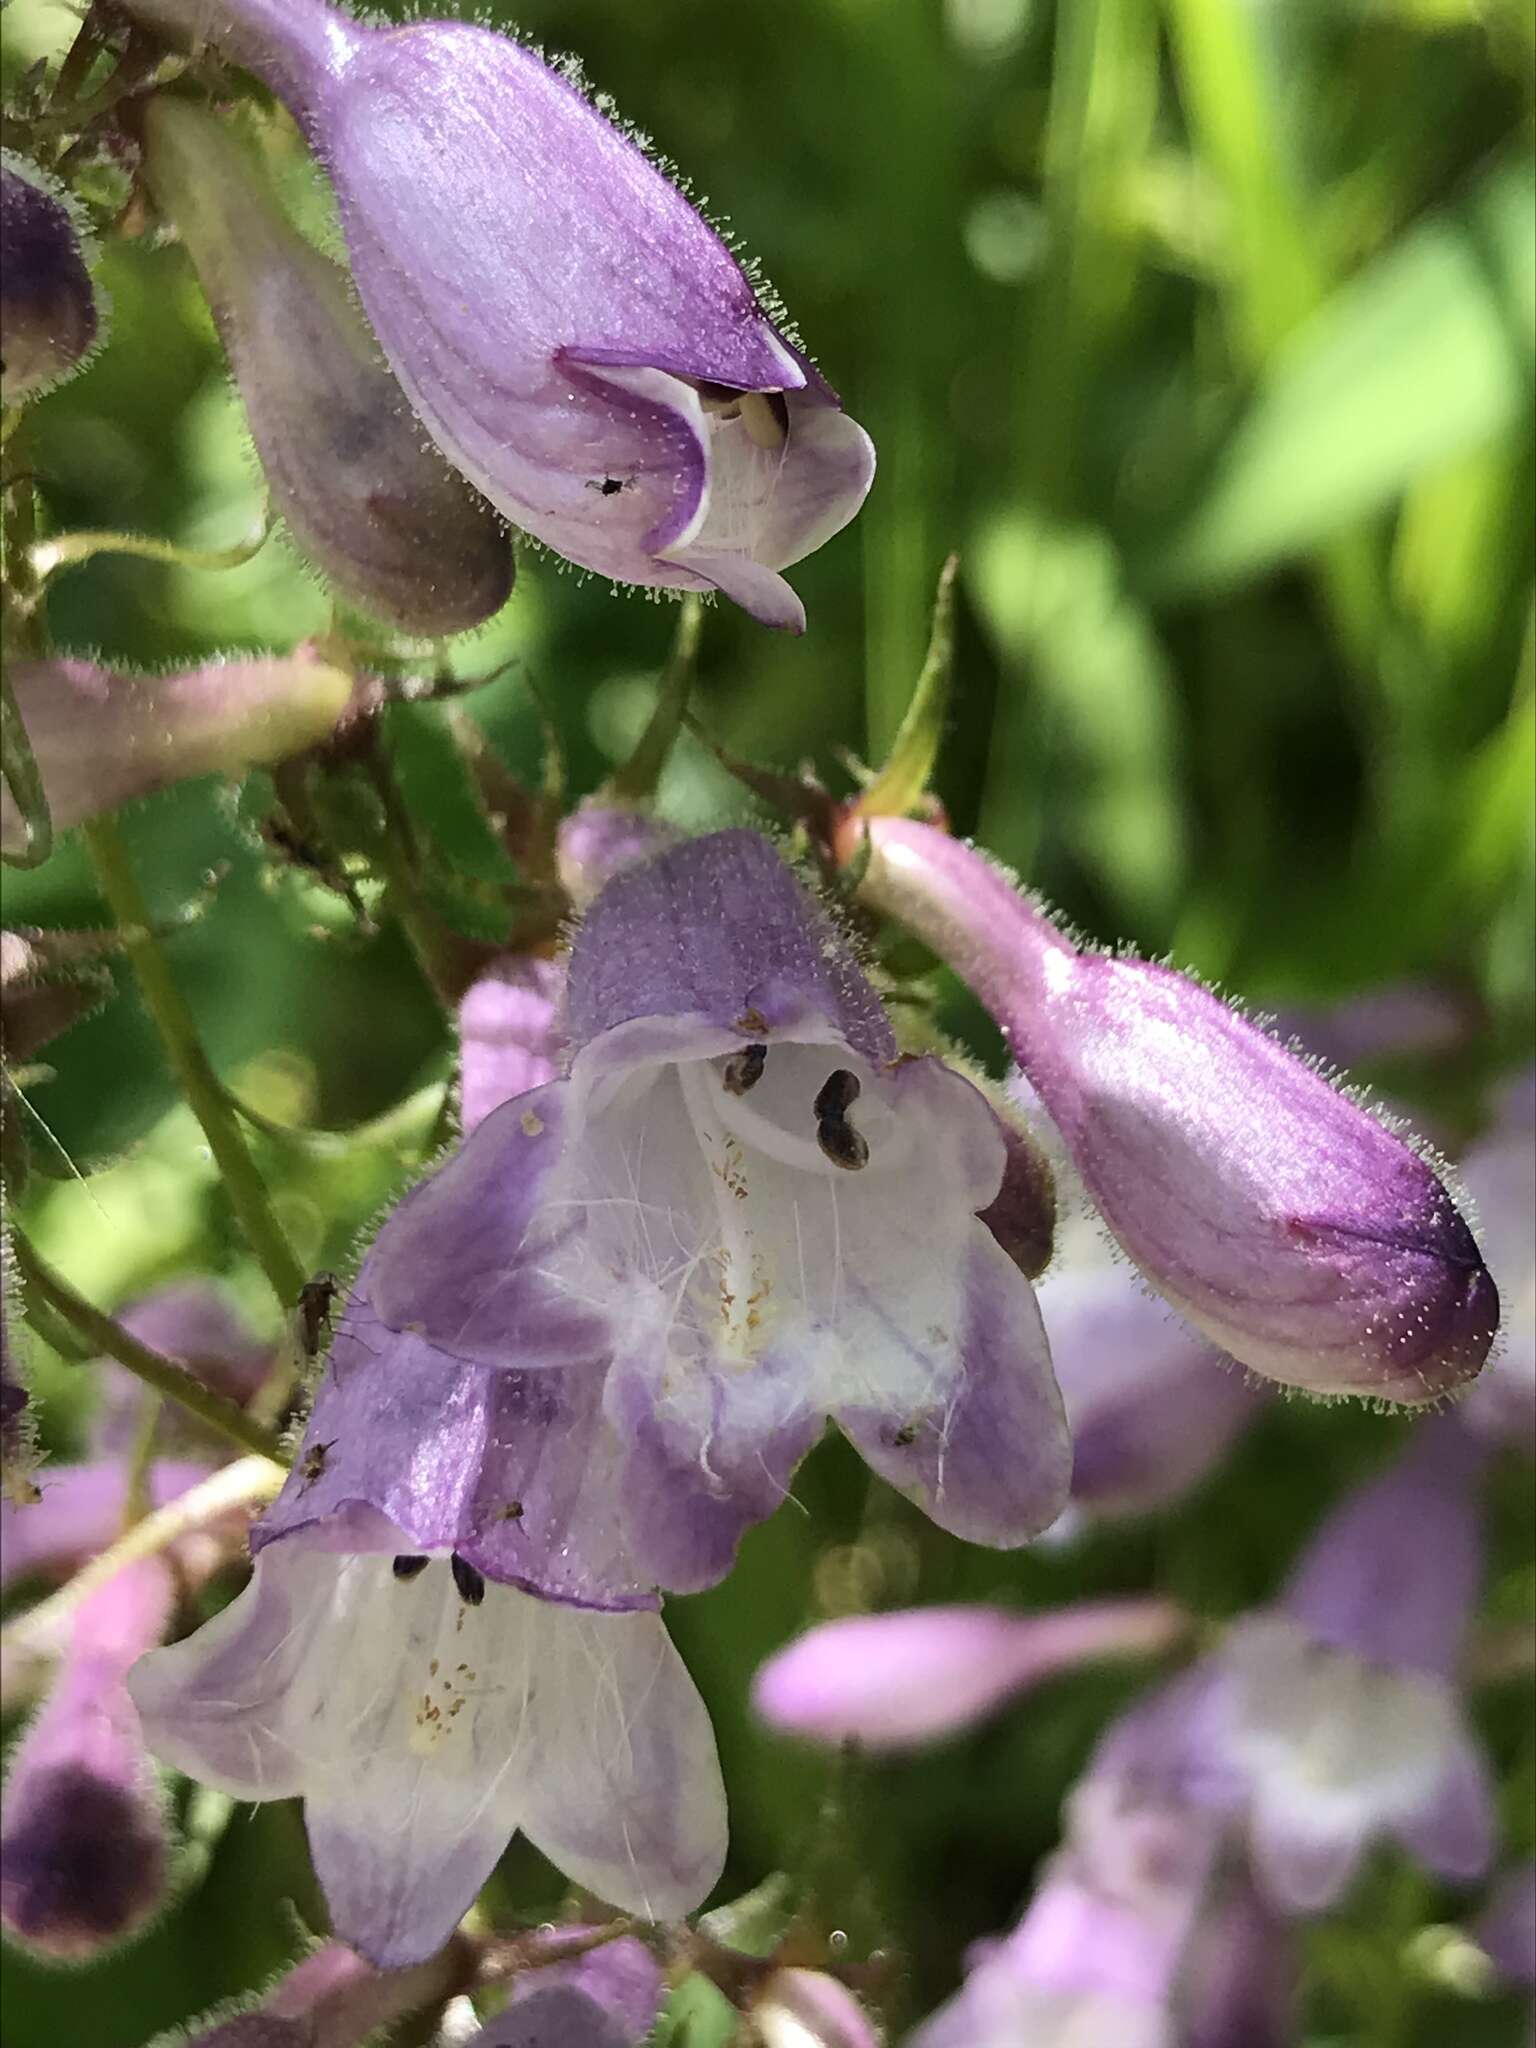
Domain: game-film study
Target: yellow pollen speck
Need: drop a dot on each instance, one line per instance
(532, 1125)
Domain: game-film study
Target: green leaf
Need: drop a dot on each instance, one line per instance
(1423, 356)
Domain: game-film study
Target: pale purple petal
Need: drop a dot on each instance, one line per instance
(988, 1456)
(1293, 1228)
(888, 1681)
(79, 1512)
(808, 2009)
(195, 1324)
(1507, 1925)
(1499, 1174)
(1455, 1831)
(599, 840)
(1302, 1863)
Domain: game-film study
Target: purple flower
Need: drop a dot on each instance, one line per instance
(608, 1998)
(1152, 1406)
(83, 1858)
(1339, 1711)
(79, 1511)
(194, 1323)
(598, 840)
(1499, 1173)
(49, 317)
(1291, 1227)
(889, 1681)
(102, 738)
(741, 1213)
(1506, 1927)
(508, 1034)
(579, 341)
(380, 513)
(424, 1714)
(1098, 1954)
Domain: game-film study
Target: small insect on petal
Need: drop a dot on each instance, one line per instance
(470, 1583)
(744, 1069)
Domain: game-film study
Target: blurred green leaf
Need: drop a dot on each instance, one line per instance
(1423, 356)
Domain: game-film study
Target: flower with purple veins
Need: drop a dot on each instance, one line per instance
(578, 340)
(1339, 1712)
(1290, 1226)
(741, 1213)
(425, 1714)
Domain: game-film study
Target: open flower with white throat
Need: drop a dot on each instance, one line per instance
(739, 1214)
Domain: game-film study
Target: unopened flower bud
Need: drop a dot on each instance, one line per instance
(586, 349)
(101, 737)
(1287, 1223)
(83, 1856)
(509, 1039)
(49, 317)
(365, 497)
(809, 2009)
(48, 980)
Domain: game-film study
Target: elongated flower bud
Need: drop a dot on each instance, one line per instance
(83, 1855)
(579, 341)
(1285, 1222)
(102, 738)
(49, 319)
(373, 506)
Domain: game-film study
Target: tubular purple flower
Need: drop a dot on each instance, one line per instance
(1340, 1714)
(1284, 1221)
(580, 343)
(894, 1681)
(714, 1223)
(49, 315)
(102, 738)
(379, 512)
(83, 1856)
(609, 1998)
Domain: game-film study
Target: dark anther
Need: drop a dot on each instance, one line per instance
(469, 1582)
(409, 1567)
(839, 1092)
(842, 1143)
(744, 1069)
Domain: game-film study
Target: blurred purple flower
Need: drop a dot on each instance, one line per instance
(79, 1511)
(586, 349)
(83, 1854)
(608, 1998)
(1290, 1226)
(1499, 1173)
(370, 504)
(103, 738)
(1339, 1711)
(1152, 1406)
(49, 314)
(508, 1034)
(1506, 1927)
(599, 840)
(890, 1681)
(194, 1323)
(1099, 1953)
(739, 1172)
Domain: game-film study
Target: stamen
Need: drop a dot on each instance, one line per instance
(766, 418)
(471, 1584)
(409, 1567)
(841, 1143)
(838, 1093)
(744, 1069)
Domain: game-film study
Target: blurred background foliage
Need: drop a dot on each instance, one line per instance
(1202, 329)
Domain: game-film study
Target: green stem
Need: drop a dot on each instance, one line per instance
(163, 1374)
(200, 1085)
(438, 954)
(26, 784)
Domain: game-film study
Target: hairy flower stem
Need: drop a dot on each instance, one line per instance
(156, 1370)
(178, 1034)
